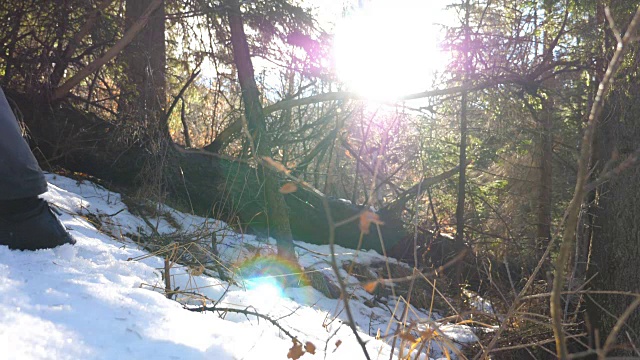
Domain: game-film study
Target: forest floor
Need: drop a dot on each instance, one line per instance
(104, 298)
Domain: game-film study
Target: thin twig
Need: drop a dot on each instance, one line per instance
(617, 327)
(245, 312)
(192, 77)
(336, 270)
(512, 309)
(610, 174)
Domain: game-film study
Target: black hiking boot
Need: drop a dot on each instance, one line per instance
(30, 224)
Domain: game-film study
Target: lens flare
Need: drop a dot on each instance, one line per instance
(266, 276)
(265, 287)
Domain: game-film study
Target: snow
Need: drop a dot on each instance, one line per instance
(102, 298)
(479, 303)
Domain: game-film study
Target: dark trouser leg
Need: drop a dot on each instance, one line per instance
(20, 175)
(26, 222)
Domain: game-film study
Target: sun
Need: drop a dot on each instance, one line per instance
(390, 48)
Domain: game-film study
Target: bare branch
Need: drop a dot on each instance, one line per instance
(64, 89)
(71, 47)
(631, 160)
(367, 166)
(420, 187)
(347, 95)
(612, 24)
(192, 77)
(245, 312)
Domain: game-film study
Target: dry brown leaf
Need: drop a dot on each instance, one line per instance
(288, 188)
(310, 348)
(426, 335)
(196, 270)
(338, 343)
(277, 165)
(407, 336)
(296, 351)
(366, 218)
(371, 286)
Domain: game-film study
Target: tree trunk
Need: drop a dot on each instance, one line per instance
(276, 208)
(545, 124)
(615, 248)
(543, 221)
(145, 62)
(615, 234)
(462, 179)
(462, 189)
(586, 226)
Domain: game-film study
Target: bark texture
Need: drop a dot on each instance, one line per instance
(145, 61)
(615, 248)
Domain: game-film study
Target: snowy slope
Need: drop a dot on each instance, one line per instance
(99, 299)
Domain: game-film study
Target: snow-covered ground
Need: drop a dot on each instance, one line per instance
(102, 298)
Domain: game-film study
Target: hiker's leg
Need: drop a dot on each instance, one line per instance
(20, 175)
(26, 221)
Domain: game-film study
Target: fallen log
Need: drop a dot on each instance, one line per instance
(198, 181)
